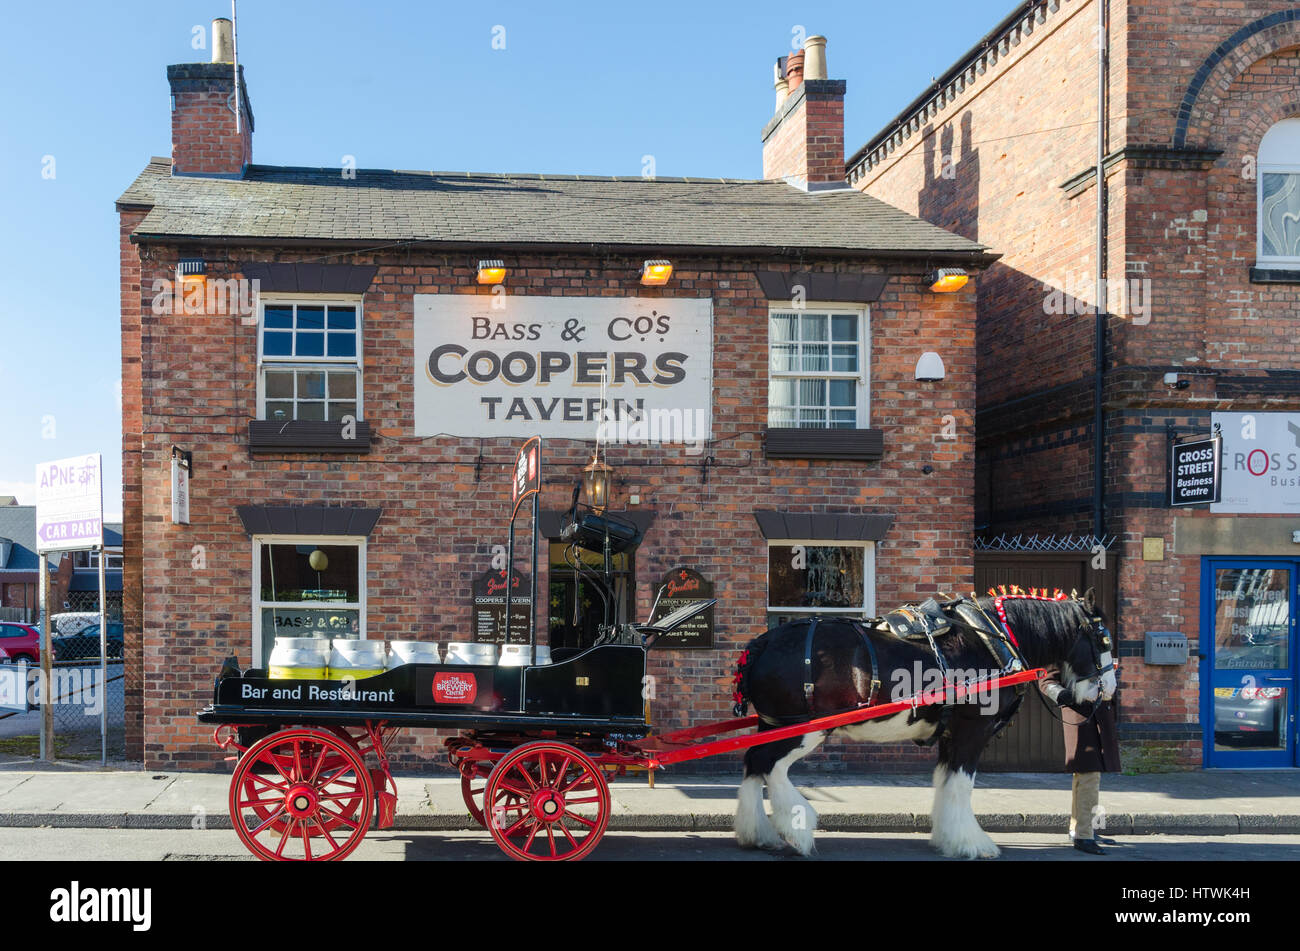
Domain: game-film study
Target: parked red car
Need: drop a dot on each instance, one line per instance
(18, 643)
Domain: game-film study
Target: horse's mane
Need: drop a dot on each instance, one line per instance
(1041, 624)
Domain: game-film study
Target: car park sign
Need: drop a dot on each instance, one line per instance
(70, 504)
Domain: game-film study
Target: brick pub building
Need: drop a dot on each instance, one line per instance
(1202, 252)
(368, 405)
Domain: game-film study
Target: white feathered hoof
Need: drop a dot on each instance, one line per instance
(794, 817)
(801, 840)
(753, 828)
(971, 846)
(955, 831)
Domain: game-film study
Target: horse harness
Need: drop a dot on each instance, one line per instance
(928, 621)
(808, 685)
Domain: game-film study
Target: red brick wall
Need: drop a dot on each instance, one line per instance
(132, 295)
(1008, 139)
(439, 522)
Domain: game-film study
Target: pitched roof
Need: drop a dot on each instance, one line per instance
(18, 524)
(272, 204)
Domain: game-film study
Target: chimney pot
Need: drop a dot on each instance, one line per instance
(814, 64)
(223, 41)
(794, 70)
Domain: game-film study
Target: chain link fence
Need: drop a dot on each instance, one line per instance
(89, 601)
(80, 693)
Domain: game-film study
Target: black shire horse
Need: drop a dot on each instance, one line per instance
(1061, 634)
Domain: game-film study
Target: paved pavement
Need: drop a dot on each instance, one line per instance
(199, 845)
(1201, 802)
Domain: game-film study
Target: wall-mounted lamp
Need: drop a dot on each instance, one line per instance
(929, 369)
(947, 279)
(193, 272)
(597, 478)
(656, 273)
(491, 272)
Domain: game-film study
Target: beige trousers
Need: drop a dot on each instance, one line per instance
(1085, 794)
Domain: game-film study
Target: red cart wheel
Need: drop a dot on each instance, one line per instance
(473, 786)
(255, 788)
(550, 803)
(301, 795)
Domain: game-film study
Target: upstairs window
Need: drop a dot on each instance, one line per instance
(309, 360)
(817, 369)
(1279, 196)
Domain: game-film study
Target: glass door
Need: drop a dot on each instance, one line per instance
(1248, 635)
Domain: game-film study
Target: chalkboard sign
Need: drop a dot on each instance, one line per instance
(489, 616)
(680, 586)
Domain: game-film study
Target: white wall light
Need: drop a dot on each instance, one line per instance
(929, 369)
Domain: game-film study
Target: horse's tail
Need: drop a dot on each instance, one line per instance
(740, 680)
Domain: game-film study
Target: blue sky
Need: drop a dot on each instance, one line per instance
(578, 88)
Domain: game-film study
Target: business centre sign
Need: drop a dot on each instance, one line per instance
(535, 366)
(1261, 463)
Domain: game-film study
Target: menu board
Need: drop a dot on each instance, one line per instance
(680, 587)
(489, 615)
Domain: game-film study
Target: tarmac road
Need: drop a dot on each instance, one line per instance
(34, 844)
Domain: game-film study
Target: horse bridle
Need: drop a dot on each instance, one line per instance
(1100, 641)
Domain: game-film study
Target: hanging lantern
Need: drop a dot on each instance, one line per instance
(597, 478)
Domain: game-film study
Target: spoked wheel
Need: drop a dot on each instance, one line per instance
(549, 801)
(273, 765)
(473, 786)
(301, 795)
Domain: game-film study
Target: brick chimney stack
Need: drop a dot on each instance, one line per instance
(804, 142)
(204, 139)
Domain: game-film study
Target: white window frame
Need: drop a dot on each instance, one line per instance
(256, 592)
(868, 609)
(92, 559)
(1286, 141)
(290, 363)
(863, 374)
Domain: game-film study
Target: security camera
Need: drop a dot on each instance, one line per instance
(1174, 383)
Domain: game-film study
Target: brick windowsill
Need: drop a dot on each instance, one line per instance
(867, 445)
(301, 435)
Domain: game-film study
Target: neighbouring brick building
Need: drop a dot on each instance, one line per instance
(1202, 200)
(358, 408)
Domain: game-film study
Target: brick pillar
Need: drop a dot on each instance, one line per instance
(804, 141)
(204, 140)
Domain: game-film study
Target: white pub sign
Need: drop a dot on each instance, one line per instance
(536, 365)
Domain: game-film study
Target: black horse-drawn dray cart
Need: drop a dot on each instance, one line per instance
(533, 744)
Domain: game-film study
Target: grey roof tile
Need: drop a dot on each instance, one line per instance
(459, 208)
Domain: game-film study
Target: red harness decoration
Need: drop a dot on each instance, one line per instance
(738, 678)
(1034, 594)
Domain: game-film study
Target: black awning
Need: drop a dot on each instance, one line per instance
(311, 278)
(850, 288)
(823, 525)
(307, 519)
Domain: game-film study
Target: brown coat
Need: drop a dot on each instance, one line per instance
(1091, 743)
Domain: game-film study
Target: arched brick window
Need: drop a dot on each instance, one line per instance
(1279, 196)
